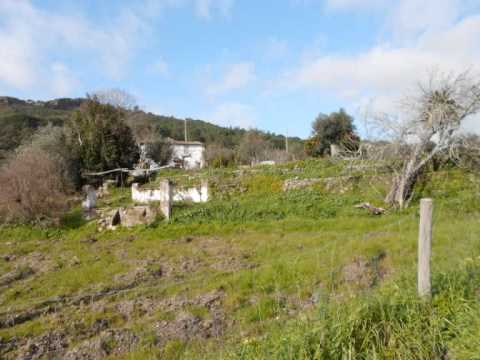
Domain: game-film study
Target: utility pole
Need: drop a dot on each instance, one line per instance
(185, 128)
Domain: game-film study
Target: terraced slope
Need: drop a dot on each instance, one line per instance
(258, 272)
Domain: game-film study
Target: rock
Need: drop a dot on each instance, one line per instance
(75, 261)
(296, 183)
(137, 215)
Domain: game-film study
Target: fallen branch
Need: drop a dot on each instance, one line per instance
(372, 209)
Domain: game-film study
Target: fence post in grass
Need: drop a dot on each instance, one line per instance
(425, 247)
(166, 189)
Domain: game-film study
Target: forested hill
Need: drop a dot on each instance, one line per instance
(20, 118)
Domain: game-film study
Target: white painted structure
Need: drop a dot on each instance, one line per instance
(149, 195)
(189, 153)
(195, 194)
(90, 201)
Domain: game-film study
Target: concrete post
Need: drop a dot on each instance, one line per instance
(204, 191)
(90, 202)
(166, 189)
(335, 150)
(425, 247)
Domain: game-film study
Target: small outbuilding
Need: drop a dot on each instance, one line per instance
(187, 154)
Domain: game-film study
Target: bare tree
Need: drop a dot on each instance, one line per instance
(116, 97)
(431, 126)
(32, 187)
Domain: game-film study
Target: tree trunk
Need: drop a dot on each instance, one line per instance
(402, 187)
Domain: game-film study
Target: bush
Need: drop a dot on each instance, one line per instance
(52, 140)
(253, 147)
(32, 188)
(218, 156)
(159, 150)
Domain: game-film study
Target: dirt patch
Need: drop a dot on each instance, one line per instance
(130, 309)
(232, 264)
(187, 326)
(36, 261)
(365, 273)
(50, 346)
(17, 274)
(110, 342)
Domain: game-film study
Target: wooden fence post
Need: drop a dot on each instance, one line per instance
(425, 247)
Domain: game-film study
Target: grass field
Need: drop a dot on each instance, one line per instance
(255, 273)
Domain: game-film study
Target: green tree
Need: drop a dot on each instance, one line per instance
(336, 128)
(100, 138)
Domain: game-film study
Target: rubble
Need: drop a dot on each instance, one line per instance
(128, 217)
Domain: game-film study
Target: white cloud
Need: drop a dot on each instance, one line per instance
(391, 68)
(206, 8)
(35, 40)
(62, 82)
(234, 115)
(237, 76)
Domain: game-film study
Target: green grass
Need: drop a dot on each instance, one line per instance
(270, 253)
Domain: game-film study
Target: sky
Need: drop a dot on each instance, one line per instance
(267, 64)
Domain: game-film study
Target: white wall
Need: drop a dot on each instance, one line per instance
(148, 195)
(194, 194)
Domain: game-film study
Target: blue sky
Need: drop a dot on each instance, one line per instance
(271, 64)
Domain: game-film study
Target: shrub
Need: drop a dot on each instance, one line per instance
(253, 147)
(32, 188)
(218, 156)
(159, 150)
(52, 140)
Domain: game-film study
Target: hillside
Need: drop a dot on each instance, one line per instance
(256, 273)
(20, 118)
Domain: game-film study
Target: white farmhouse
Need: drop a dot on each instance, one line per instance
(188, 154)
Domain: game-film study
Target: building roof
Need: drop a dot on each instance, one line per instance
(179, 142)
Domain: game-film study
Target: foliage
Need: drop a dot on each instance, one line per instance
(218, 156)
(394, 324)
(100, 137)
(19, 119)
(52, 140)
(116, 97)
(336, 128)
(253, 147)
(16, 129)
(32, 187)
(275, 259)
(434, 116)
